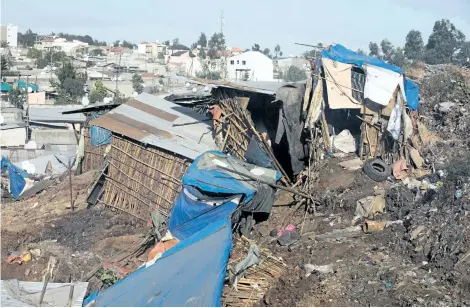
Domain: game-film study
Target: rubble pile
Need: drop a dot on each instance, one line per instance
(445, 100)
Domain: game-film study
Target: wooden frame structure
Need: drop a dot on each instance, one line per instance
(142, 179)
(94, 156)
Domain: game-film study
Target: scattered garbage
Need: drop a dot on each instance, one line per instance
(377, 169)
(370, 226)
(16, 257)
(344, 142)
(400, 169)
(324, 269)
(288, 238)
(369, 206)
(353, 164)
(288, 228)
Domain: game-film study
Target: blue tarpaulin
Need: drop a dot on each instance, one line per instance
(99, 136)
(412, 94)
(190, 215)
(16, 177)
(190, 274)
(341, 54)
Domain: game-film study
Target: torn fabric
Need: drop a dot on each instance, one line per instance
(338, 85)
(380, 84)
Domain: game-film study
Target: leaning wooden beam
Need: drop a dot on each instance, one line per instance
(294, 191)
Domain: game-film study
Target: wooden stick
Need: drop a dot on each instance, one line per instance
(267, 183)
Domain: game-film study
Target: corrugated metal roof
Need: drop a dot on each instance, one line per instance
(12, 125)
(150, 119)
(54, 114)
(57, 294)
(91, 108)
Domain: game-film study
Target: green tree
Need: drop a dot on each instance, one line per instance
(202, 53)
(17, 97)
(374, 49)
(463, 56)
(97, 52)
(69, 86)
(309, 54)
(98, 93)
(256, 47)
(398, 57)
(443, 42)
(4, 64)
(34, 53)
(216, 44)
(277, 51)
(137, 83)
(267, 52)
(167, 43)
(202, 40)
(387, 50)
(414, 45)
(176, 41)
(294, 73)
(361, 52)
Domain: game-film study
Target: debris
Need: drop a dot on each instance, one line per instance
(16, 257)
(288, 238)
(370, 226)
(36, 253)
(416, 232)
(295, 246)
(444, 107)
(27, 272)
(399, 169)
(344, 142)
(324, 269)
(377, 170)
(458, 194)
(369, 206)
(289, 228)
(353, 164)
(416, 158)
(252, 258)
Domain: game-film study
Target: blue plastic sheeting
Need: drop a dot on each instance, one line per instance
(215, 181)
(99, 136)
(16, 177)
(190, 274)
(190, 215)
(412, 94)
(340, 53)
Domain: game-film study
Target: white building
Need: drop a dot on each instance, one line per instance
(9, 34)
(250, 65)
(59, 44)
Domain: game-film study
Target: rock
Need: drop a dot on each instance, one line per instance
(27, 272)
(36, 253)
(416, 232)
(324, 269)
(445, 106)
(420, 300)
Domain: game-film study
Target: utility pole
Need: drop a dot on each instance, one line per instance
(221, 19)
(119, 67)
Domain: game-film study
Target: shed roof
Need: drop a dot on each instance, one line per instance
(150, 119)
(54, 115)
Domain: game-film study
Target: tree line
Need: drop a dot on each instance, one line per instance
(446, 44)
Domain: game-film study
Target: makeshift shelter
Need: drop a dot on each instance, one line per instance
(153, 141)
(360, 100)
(215, 187)
(261, 124)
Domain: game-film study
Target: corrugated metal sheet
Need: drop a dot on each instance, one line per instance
(150, 119)
(57, 294)
(54, 114)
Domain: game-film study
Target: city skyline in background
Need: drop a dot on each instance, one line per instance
(244, 23)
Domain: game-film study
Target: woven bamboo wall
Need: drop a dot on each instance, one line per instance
(142, 179)
(94, 156)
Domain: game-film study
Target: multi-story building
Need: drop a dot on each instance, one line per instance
(151, 49)
(59, 44)
(9, 34)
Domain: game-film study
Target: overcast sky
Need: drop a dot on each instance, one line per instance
(266, 22)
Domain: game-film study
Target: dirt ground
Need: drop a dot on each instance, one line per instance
(80, 240)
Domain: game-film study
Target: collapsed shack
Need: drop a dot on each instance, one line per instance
(149, 150)
(261, 124)
(216, 190)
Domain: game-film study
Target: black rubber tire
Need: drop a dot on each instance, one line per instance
(377, 169)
